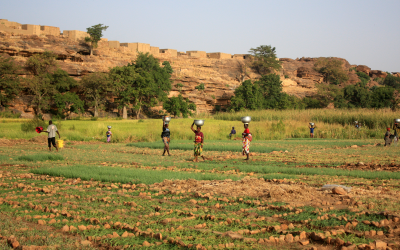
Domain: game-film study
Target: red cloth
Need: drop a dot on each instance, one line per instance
(199, 137)
(247, 131)
(39, 129)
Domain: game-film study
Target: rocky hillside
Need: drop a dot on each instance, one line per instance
(219, 76)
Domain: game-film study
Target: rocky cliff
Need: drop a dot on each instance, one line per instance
(219, 76)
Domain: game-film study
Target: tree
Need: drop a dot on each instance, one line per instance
(357, 96)
(247, 96)
(41, 66)
(332, 70)
(364, 78)
(9, 80)
(382, 97)
(271, 88)
(95, 32)
(179, 105)
(67, 103)
(61, 81)
(141, 83)
(264, 59)
(95, 87)
(392, 81)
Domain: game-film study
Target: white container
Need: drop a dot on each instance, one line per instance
(311, 123)
(199, 122)
(396, 120)
(356, 122)
(246, 119)
(167, 118)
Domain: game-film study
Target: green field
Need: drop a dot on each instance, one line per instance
(149, 201)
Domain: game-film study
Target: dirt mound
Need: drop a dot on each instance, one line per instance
(248, 187)
(39, 138)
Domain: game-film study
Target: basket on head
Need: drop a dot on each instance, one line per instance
(167, 118)
(109, 127)
(312, 124)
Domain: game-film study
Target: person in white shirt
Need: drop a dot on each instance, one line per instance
(52, 130)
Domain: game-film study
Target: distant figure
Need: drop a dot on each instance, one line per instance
(198, 142)
(109, 134)
(52, 130)
(247, 138)
(357, 125)
(233, 132)
(165, 136)
(312, 130)
(387, 138)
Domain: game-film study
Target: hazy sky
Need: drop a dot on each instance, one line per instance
(364, 32)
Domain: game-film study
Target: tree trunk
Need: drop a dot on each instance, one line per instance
(96, 112)
(124, 113)
(91, 51)
(138, 113)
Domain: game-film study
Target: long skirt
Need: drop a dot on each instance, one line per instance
(166, 141)
(197, 149)
(246, 145)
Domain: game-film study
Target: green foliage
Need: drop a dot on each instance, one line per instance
(364, 78)
(167, 67)
(247, 96)
(332, 70)
(95, 87)
(95, 32)
(30, 125)
(312, 103)
(9, 80)
(40, 157)
(61, 81)
(67, 103)
(9, 114)
(379, 80)
(357, 96)
(264, 59)
(200, 86)
(382, 97)
(271, 88)
(286, 76)
(392, 81)
(178, 105)
(42, 64)
(141, 83)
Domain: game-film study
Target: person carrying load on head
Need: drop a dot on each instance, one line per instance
(109, 134)
(233, 132)
(198, 142)
(165, 136)
(312, 127)
(247, 138)
(387, 138)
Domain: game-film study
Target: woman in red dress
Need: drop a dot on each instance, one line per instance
(246, 140)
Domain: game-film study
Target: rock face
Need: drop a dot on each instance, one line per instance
(220, 76)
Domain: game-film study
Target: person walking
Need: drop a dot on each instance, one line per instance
(165, 135)
(109, 134)
(233, 132)
(198, 142)
(387, 138)
(52, 130)
(247, 138)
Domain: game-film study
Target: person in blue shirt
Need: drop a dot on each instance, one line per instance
(312, 130)
(233, 132)
(165, 135)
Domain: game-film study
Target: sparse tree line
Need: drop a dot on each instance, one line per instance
(135, 87)
(266, 92)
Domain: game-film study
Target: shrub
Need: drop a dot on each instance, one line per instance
(29, 126)
(200, 86)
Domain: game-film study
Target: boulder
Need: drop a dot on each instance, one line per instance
(339, 190)
(27, 115)
(363, 68)
(377, 73)
(46, 117)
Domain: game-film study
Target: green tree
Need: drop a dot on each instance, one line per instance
(68, 102)
(392, 81)
(95, 33)
(61, 81)
(95, 87)
(382, 97)
(271, 88)
(357, 96)
(264, 59)
(332, 70)
(41, 66)
(9, 80)
(141, 83)
(247, 96)
(364, 78)
(167, 67)
(178, 105)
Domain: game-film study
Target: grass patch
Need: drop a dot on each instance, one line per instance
(123, 175)
(221, 146)
(41, 157)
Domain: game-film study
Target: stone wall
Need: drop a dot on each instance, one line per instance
(169, 52)
(241, 56)
(219, 55)
(155, 51)
(196, 53)
(137, 47)
(50, 30)
(75, 34)
(113, 44)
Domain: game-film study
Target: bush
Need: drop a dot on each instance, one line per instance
(9, 114)
(31, 125)
(200, 86)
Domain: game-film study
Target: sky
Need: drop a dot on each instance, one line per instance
(364, 32)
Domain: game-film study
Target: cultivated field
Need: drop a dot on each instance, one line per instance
(93, 195)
